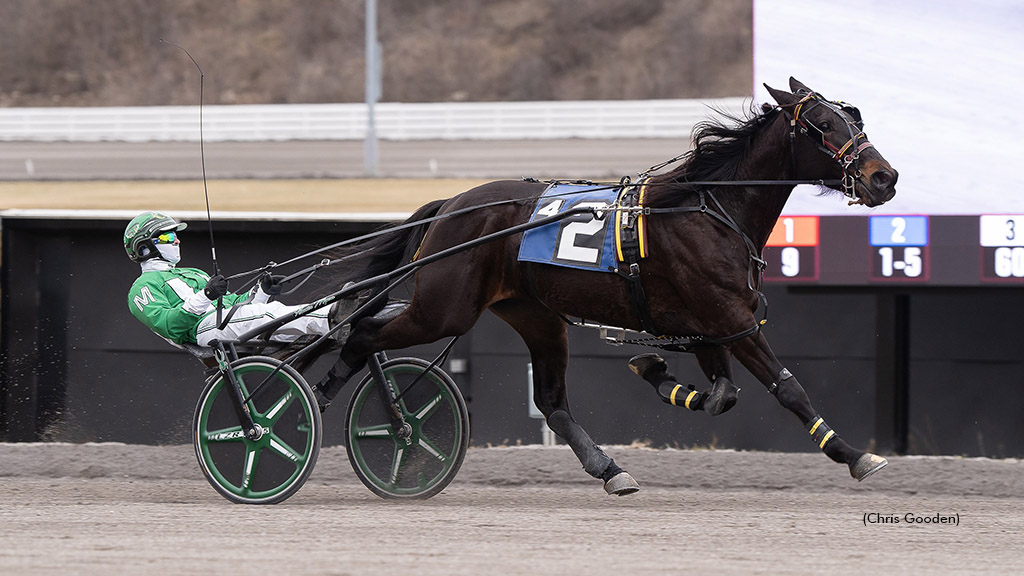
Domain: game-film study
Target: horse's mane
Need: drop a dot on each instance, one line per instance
(720, 146)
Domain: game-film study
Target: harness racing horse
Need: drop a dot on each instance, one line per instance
(707, 223)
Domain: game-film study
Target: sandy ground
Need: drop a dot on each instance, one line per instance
(113, 508)
(320, 195)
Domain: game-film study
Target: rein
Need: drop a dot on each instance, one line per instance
(469, 209)
(389, 230)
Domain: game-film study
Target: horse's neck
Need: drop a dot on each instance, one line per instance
(756, 208)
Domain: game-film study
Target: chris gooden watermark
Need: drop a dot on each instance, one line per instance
(911, 519)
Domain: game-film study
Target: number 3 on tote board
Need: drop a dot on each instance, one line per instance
(1002, 247)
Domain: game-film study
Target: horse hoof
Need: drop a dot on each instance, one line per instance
(867, 465)
(621, 484)
(722, 397)
(646, 365)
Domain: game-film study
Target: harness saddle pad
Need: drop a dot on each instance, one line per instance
(580, 241)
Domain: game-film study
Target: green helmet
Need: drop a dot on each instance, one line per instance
(138, 236)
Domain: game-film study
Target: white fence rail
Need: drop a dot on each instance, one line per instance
(395, 121)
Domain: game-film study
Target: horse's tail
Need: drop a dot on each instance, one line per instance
(384, 253)
(392, 250)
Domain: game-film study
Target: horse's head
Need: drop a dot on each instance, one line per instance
(850, 161)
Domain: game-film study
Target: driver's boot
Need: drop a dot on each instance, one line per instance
(343, 309)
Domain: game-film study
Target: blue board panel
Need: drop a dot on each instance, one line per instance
(899, 231)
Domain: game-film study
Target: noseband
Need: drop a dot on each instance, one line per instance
(847, 155)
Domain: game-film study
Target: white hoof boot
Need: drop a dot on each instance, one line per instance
(621, 484)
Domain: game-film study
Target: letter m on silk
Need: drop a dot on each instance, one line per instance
(144, 297)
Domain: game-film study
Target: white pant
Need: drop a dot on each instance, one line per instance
(252, 316)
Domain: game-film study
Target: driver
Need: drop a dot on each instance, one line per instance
(179, 304)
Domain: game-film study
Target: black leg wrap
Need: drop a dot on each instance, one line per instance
(825, 438)
(594, 460)
(678, 395)
(653, 369)
(821, 433)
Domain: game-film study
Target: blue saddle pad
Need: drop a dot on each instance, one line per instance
(579, 241)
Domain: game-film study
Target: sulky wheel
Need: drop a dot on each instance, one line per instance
(422, 460)
(272, 467)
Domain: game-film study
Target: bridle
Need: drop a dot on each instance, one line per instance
(847, 155)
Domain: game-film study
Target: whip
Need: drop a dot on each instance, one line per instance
(202, 156)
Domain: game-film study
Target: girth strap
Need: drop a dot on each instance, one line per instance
(637, 297)
(630, 245)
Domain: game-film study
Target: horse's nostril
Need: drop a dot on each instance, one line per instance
(883, 178)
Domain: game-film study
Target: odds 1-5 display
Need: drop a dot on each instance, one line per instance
(897, 249)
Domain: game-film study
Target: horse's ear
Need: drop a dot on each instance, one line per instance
(798, 87)
(782, 97)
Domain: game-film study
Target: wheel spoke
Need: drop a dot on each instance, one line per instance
(281, 447)
(432, 449)
(252, 459)
(396, 464)
(378, 431)
(230, 434)
(279, 407)
(429, 408)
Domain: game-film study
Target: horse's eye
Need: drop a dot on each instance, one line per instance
(825, 127)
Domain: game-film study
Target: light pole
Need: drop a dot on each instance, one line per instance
(373, 85)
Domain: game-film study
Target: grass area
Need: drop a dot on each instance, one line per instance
(321, 195)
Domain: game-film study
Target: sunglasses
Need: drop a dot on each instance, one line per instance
(165, 238)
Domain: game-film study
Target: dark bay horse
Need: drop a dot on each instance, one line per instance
(708, 221)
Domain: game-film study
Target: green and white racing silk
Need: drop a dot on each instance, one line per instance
(170, 301)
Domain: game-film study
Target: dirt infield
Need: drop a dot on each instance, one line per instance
(320, 195)
(112, 508)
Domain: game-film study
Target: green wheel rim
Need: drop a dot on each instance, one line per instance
(426, 462)
(271, 468)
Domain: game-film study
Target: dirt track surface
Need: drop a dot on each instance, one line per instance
(113, 508)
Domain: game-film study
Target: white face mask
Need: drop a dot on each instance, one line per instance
(169, 252)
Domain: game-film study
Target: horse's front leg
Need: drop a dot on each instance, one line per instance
(755, 354)
(714, 360)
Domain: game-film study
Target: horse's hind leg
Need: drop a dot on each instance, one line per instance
(348, 364)
(545, 335)
(715, 363)
(757, 356)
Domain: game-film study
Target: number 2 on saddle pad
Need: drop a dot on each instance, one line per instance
(580, 241)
